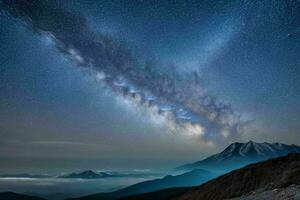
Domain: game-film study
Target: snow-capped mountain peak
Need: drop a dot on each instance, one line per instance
(254, 149)
(240, 154)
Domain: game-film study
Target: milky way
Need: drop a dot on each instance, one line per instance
(180, 99)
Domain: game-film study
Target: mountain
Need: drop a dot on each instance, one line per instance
(233, 157)
(238, 155)
(277, 177)
(268, 175)
(192, 178)
(15, 196)
(89, 174)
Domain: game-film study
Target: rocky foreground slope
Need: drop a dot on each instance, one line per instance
(291, 192)
(264, 176)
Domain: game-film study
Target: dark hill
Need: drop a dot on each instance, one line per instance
(89, 174)
(192, 178)
(15, 196)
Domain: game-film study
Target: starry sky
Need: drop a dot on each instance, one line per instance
(141, 84)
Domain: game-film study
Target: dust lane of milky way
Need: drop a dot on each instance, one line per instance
(180, 99)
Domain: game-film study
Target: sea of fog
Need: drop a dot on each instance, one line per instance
(54, 188)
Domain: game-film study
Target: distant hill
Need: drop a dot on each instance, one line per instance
(274, 177)
(238, 155)
(15, 196)
(192, 178)
(89, 174)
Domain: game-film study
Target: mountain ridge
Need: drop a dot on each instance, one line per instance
(237, 155)
(192, 178)
(258, 176)
(251, 180)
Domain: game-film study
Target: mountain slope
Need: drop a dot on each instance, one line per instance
(192, 178)
(277, 177)
(238, 155)
(291, 192)
(15, 196)
(275, 173)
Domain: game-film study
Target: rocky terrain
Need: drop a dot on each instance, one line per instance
(289, 193)
(265, 176)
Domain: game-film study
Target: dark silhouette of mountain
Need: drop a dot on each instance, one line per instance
(15, 196)
(192, 178)
(89, 174)
(271, 175)
(159, 195)
(238, 155)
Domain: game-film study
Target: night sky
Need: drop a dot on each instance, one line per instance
(118, 84)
